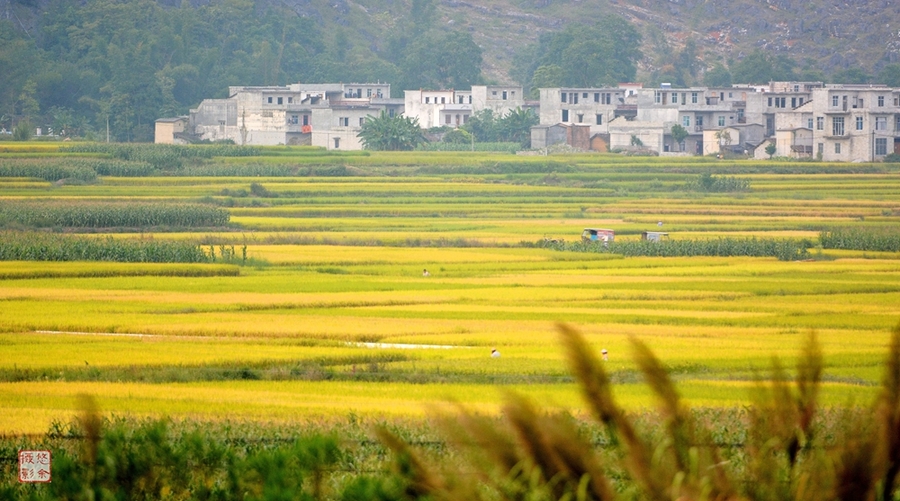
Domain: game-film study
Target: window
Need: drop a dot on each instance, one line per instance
(280, 100)
(290, 99)
(337, 143)
(574, 97)
(470, 99)
(699, 122)
(362, 120)
(809, 123)
(443, 100)
(770, 102)
(834, 101)
(599, 119)
(580, 118)
(820, 123)
(859, 123)
(686, 120)
(596, 97)
(269, 100)
(837, 148)
(562, 96)
(821, 148)
(881, 146)
(800, 101)
(565, 115)
(391, 112)
(305, 119)
(880, 101)
(447, 119)
(674, 98)
(294, 119)
(793, 102)
(504, 95)
(657, 97)
(880, 123)
(584, 95)
(721, 120)
(897, 125)
(368, 92)
(837, 126)
(427, 100)
(694, 97)
(344, 121)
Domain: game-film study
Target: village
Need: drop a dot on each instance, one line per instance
(801, 120)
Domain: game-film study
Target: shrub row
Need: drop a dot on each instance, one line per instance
(866, 239)
(31, 246)
(162, 156)
(51, 170)
(783, 249)
(110, 215)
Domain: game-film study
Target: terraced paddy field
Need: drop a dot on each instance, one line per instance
(314, 304)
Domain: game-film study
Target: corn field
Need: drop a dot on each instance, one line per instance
(866, 239)
(783, 249)
(110, 215)
(31, 246)
(163, 156)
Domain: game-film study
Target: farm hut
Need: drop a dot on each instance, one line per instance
(598, 235)
(654, 236)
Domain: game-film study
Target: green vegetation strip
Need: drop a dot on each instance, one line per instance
(783, 249)
(18, 246)
(77, 214)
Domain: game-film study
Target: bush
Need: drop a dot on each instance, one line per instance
(23, 131)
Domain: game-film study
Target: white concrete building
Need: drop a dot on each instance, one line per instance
(326, 115)
(452, 108)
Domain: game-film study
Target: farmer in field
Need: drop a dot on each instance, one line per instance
(605, 354)
(495, 353)
(425, 273)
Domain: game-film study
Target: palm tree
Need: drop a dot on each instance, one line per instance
(391, 133)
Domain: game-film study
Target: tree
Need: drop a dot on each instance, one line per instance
(388, 133)
(760, 67)
(724, 138)
(483, 125)
(679, 134)
(442, 60)
(851, 76)
(771, 149)
(890, 75)
(717, 76)
(516, 126)
(604, 53)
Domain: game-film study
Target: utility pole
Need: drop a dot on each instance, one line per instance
(107, 128)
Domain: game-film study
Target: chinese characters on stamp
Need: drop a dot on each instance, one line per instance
(34, 466)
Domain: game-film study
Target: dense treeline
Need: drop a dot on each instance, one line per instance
(130, 62)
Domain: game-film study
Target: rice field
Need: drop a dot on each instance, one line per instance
(331, 314)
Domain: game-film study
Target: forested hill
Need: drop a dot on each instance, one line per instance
(74, 64)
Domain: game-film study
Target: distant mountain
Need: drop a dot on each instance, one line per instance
(827, 35)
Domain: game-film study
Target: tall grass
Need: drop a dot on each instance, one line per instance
(783, 249)
(110, 215)
(32, 246)
(535, 455)
(162, 156)
(866, 239)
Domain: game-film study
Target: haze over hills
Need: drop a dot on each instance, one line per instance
(828, 35)
(74, 65)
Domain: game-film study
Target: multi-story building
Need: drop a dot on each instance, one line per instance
(855, 123)
(452, 108)
(326, 115)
